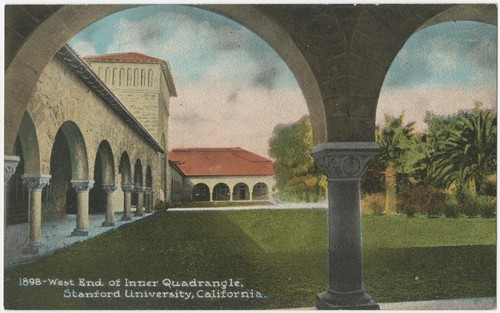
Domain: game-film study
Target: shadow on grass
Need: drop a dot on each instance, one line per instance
(211, 246)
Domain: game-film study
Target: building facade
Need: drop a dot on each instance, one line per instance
(82, 151)
(220, 174)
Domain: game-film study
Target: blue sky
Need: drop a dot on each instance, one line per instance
(233, 88)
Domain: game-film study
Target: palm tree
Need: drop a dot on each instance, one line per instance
(396, 142)
(465, 151)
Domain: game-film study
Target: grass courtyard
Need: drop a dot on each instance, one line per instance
(279, 253)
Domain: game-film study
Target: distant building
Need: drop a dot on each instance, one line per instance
(220, 174)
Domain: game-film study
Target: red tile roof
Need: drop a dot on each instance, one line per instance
(124, 57)
(220, 162)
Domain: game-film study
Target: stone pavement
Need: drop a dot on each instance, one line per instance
(56, 234)
(449, 304)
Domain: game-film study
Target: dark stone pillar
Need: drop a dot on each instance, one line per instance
(344, 163)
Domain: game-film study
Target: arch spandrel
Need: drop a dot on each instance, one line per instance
(312, 67)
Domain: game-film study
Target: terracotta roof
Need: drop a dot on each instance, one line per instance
(124, 57)
(220, 162)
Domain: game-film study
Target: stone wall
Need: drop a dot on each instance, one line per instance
(60, 97)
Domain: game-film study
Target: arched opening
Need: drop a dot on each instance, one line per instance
(17, 194)
(104, 173)
(26, 147)
(125, 170)
(68, 161)
(201, 192)
(138, 179)
(221, 192)
(260, 192)
(149, 177)
(241, 192)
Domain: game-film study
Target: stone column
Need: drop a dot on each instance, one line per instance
(140, 200)
(35, 184)
(82, 188)
(148, 192)
(127, 194)
(344, 163)
(109, 219)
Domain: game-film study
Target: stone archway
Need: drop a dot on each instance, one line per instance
(241, 192)
(201, 192)
(26, 147)
(104, 174)
(138, 195)
(221, 192)
(127, 185)
(339, 54)
(260, 192)
(68, 162)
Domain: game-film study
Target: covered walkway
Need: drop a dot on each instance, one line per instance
(56, 235)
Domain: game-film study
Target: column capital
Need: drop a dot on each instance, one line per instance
(344, 160)
(127, 188)
(148, 190)
(82, 185)
(9, 166)
(138, 189)
(35, 182)
(109, 187)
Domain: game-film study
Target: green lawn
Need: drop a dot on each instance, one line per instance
(279, 253)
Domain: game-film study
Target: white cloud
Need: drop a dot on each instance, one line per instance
(84, 48)
(415, 102)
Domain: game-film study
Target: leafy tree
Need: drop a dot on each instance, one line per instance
(297, 175)
(464, 148)
(399, 153)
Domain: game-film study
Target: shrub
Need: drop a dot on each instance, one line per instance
(162, 206)
(472, 204)
(373, 203)
(451, 207)
(421, 200)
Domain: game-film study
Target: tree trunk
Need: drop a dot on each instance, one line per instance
(390, 189)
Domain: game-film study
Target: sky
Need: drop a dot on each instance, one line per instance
(233, 89)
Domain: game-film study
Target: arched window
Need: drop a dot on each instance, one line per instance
(114, 76)
(121, 80)
(143, 77)
(107, 76)
(129, 77)
(150, 78)
(136, 77)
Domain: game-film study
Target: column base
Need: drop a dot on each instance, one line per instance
(148, 211)
(358, 300)
(108, 224)
(33, 248)
(80, 232)
(138, 214)
(126, 218)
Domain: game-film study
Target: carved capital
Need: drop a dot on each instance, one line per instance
(127, 188)
(9, 166)
(148, 190)
(344, 160)
(35, 182)
(138, 189)
(109, 187)
(82, 185)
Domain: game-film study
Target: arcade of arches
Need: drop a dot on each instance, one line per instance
(339, 55)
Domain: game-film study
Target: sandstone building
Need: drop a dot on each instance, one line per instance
(91, 143)
(220, 174)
